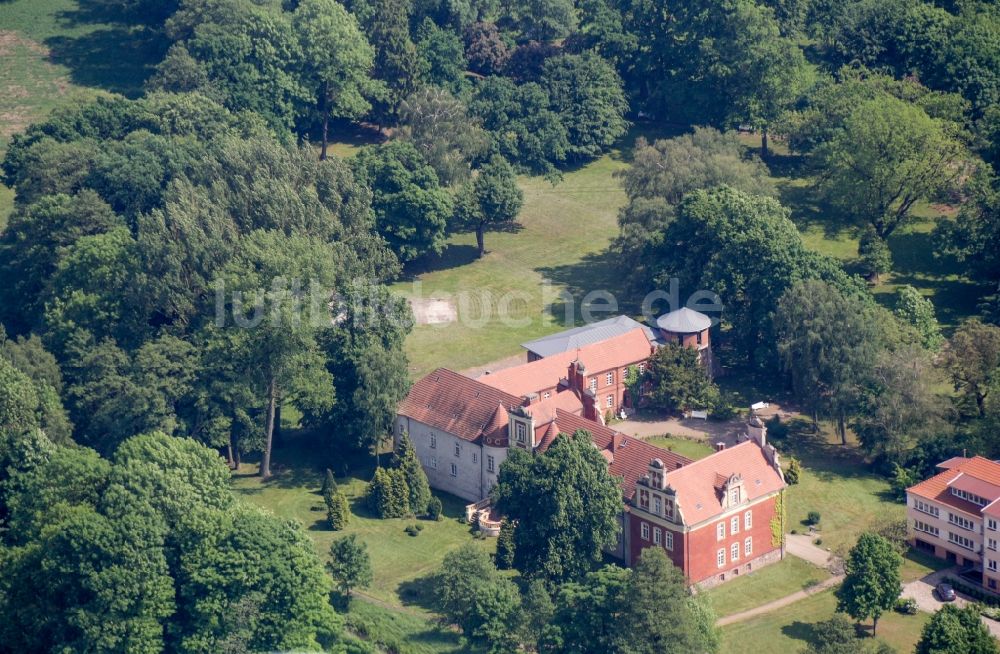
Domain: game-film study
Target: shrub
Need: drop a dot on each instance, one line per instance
(412, 530)
(813, 518)
(818, 542)
(793, 472)
(906, 606)
(337, 510)
(434, 508)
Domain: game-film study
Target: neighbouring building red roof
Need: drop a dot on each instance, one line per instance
(952, 462)
(613, 353)
(627, 457)
(456, 404)
(977, 472)
(698, 484)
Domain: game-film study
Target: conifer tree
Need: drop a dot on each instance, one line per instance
(337, 509)
(329, 484)
(388, 495)
(418, 488)
(505, 545)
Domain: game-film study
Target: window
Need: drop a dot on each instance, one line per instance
(434, 462)
(991, 524)
(644, 499)
(642, 368)
(720, 531)
(992, 583)
(975, 499)
(734, 525)
(609, 378)
(991, 565)
(668, 509)
(593, 383)
(546, 395)
(924, 507)
(748, 547)
(645, 531)
(720, 558)
(669, 543)
(961, 521)
(734, 552)
(611, 401)
(961, 541)
(475, 458)
(434, 441)
(748, 519)
(991, 543)
(657, 505)
(490, 464)
(657, 535)
(734, 496)
(454, 470)
(521, 431)
(924, 527)
(458, 449)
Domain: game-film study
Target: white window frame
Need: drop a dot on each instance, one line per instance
(490, 463)
(734, 496)
(748, 547)
(434, 462)
(454, 469)
(668, 542)
(734, 552)
(609, 378)
(593, 383)
(611, 401)
(991, 565)
(546, 395)
(991, 544)
(644, 530)
(734, 525)
(657, 535)
(748, 520)
(991, 524)
(521, 432)
(458, 449)
(434, 442)
(720, 531)
(657, 505)
(720, 557)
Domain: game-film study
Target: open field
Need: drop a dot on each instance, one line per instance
(402, 633)
(765, 585)
(400, 561)
(791, 629)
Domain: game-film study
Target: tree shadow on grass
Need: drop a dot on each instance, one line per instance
(799, 630)
(595, 272)
(454, 255)
(115, 58)
(418, 592)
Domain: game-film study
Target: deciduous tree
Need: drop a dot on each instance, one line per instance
(872, 581)
(350, 564)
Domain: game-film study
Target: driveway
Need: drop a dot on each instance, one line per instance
(922, 591)
(693, 428)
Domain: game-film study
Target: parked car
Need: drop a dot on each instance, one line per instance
(945, 592)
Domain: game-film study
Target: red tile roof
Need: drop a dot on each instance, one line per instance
(952, 462)
(629, 457)
(697, 484)
(614, 353)
(970, 484)
(937, 488)
(455, 404)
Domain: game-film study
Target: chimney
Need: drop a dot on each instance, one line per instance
(757, 430)
(719, 446)
(529, 399)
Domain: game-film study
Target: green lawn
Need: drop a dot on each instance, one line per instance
(692, 449)
(560, 246)
(765, 585)
(400, 562)
(6, 205)
(790, 629)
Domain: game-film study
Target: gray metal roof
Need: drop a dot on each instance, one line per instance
(585, 335)
(684, 321)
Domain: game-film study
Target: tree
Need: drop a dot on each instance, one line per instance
(871, 582)
(658, 588)
(337, 60)
(495, 607)
(590, 611)
(834, 636)
(537, 611)
(419, 490)
(349, 564)
(889, 155)
(505, 545)
(915, 310)
(827, 343)
(972, 359)
(411, 209)
(491, 201)
(676, 380)
(440, 128)
(587, 95)
(793, 472)
(974, 236)
(443, 56)
(388, 495)
(559, 535)
(876, 258)
(485, 49)
(544, 20)
(459, 579)
(952, 630)
(396, 64)
(337, 509)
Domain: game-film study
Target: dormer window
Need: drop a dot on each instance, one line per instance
(657, 505)
(734, 496)
(521, 432)
(668, 509)
(644, 499)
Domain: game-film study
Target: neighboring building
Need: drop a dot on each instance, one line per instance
(578, 337)
(595, 374)
(717, 517)
(955, 515)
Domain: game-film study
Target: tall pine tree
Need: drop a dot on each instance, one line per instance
(418, 488)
